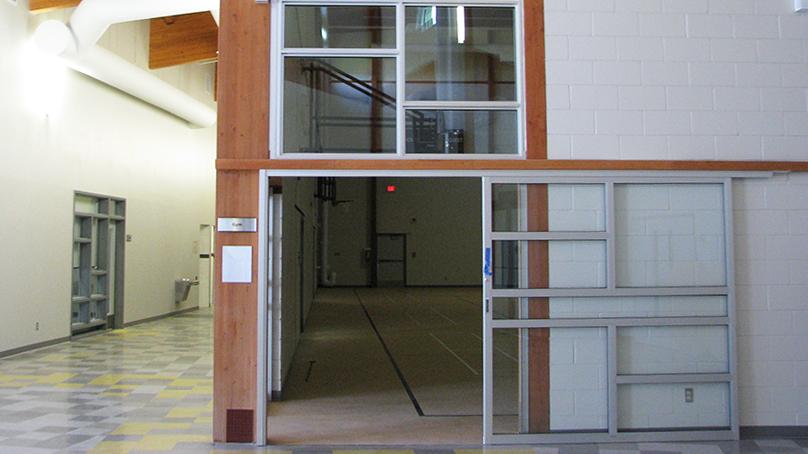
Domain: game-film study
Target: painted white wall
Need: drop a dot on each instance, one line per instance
(717, 79)
(63, 132)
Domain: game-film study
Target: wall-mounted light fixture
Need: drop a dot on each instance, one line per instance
(801, 6)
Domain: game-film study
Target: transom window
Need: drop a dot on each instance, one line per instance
(396, 79)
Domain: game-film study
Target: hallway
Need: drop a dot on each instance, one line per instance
(146, 387)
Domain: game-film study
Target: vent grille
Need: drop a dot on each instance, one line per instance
(240, 426)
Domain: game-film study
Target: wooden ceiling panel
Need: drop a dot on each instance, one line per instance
(177, 40)
(43, 6)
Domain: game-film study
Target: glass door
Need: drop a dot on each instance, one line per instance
(608, 310)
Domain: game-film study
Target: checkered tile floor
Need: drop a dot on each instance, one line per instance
(148, 389)
(143, 388)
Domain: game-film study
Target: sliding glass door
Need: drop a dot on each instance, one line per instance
(608, 310)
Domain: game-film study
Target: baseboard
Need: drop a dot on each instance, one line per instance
(37, 346)
(160, 317)
(774, 432)
(477, 285)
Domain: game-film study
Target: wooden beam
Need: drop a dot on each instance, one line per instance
(177, 40)
(529, 164)
(43, 6)
(243, 97)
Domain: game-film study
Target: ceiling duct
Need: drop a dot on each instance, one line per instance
(77, 43)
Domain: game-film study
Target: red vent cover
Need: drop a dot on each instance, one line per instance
(240, 426)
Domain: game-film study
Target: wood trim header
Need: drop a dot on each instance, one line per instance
(530, 164)
(44, 6)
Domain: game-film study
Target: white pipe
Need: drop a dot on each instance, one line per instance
(326, 279)
(111, 69)
(76, 44)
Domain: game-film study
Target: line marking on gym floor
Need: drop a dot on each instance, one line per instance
(473, 370)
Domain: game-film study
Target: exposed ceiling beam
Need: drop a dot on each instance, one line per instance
(43, 6)
(188, 38)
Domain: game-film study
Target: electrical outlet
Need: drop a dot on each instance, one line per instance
(36, 326)
(689, 395)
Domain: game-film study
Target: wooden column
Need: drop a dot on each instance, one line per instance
(538, 217)
(538, 308)
(535, 80)
(243, 97)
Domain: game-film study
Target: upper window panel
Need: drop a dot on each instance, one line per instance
(340, 27)
(457, 53)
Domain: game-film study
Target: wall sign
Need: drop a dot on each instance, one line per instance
(237, 264)
(237, 225)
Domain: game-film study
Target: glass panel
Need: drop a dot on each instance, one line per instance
(505, 370)
(664, 406)
(340, 26)
(614, 307)
(85, 204)
(576, 358)
(571, 207)
(457, 53)
(462, 131)
(339, 105)
(555, 264)
(670, 235)
(672, 350)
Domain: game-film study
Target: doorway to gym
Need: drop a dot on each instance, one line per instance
(376, 311)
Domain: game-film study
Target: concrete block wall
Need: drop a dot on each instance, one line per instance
(663, 406)
(771, 248)
(578, 379)
(672, 350)
(669, 235)
(676, 79)
(708, 79)
(577, 264)
(576, 208)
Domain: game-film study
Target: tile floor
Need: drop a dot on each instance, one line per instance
(148, 389)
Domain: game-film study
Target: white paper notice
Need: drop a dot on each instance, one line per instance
(237, 264)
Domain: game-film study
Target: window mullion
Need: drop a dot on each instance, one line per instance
(401, 126)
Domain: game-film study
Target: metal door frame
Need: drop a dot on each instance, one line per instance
(403, 260)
